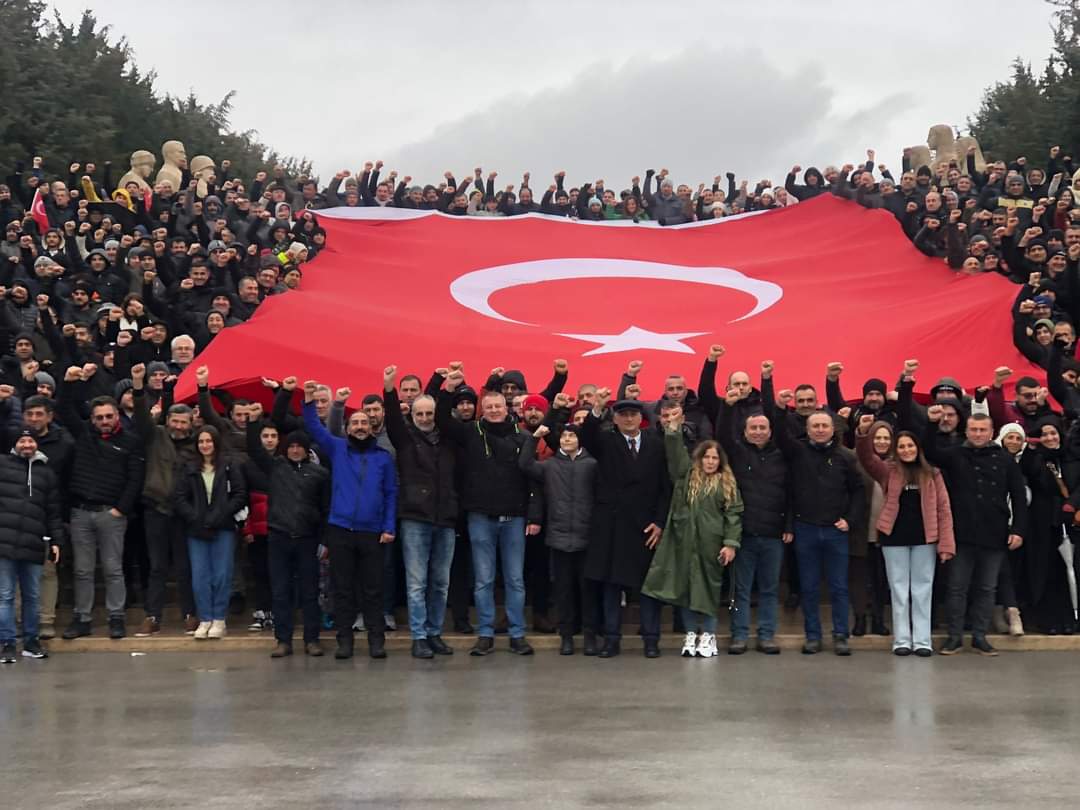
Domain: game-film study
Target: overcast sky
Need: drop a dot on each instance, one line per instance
(600, 89)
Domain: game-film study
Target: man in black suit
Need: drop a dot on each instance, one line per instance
(633, 493)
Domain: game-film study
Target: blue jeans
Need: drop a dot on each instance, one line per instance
(211, 573)
(428, 551)
(815, 547)
(27, 576)
(911, 580)
(694, 621)
(758, 557)
(488, 533)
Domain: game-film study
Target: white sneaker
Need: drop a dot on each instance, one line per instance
(202, 632)
(217, 629)
(689, 647)
(706, 647)
(258, 619)
(389, 621)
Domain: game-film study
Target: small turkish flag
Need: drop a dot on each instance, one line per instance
(822, 281)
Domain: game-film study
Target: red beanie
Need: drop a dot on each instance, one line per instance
(535, 401)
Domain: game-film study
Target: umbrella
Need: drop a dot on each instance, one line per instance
(1065, 549)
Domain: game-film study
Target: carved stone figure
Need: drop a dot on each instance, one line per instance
(202, 169)
(942, 146)
(174, 161)
(142, 166)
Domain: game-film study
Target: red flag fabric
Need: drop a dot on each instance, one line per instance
(822, 281)
(37, 211)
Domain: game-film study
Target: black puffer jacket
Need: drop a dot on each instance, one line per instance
(425, 464)
(492, 483)
(29, 508)
(104, 472)
(568, 494)
(298, 494)
(762, 475)
(201, 518)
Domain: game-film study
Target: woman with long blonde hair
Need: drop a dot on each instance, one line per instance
(701, 537)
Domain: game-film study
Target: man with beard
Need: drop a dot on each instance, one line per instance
(167, 448)
(874, 402)
(1030, 405)
(363, 511)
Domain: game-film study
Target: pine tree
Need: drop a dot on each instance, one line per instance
(1028, 114)
(72, 95)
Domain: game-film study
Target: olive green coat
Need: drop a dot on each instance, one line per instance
(685, 570)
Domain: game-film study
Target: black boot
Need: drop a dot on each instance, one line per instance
(438, 646)
(420, 649)
(611, 648)
(859, 628)
(878, 626)
(590, 643)
(567, 646)
(377, 645)
(652, 648)
(344, 646)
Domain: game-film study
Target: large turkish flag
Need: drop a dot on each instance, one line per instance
(820, 281)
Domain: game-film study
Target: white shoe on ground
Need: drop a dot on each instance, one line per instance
(689, 647)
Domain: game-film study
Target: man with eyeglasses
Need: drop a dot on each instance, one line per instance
(106, 480)
(1030, 406)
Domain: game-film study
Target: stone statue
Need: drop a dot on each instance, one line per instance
(142, 165)
(202, 170)
(174, 161)
(943, 146)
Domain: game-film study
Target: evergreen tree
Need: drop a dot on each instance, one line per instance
(1028, 114)
(73, 96)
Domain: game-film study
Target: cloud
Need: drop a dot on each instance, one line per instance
(699, 113)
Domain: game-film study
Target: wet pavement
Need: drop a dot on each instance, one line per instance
(236, 729)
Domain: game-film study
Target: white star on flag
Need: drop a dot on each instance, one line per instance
(636, 338)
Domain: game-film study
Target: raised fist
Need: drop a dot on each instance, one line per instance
(716, 351)
(343, 394)
(933, 413)
(834, 370)
(561, 401)
(202, 376)
(289, 383)
(767, 369)
(634, 368)
(541, 432)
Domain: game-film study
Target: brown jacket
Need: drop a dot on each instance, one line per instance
(936, 513)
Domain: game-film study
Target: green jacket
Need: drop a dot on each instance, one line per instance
(685, 570)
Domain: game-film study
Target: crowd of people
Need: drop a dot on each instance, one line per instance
(696, 499)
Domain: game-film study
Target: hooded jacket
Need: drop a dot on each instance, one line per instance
(298, 493)
(806, 192)
(569, 492)
(30, 516)
(363, 480)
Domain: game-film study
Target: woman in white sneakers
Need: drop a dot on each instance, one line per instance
(700, 538)
(209, 493)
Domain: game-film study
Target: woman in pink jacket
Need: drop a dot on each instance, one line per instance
(914, 528)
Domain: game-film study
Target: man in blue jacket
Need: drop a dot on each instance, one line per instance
(363, 511)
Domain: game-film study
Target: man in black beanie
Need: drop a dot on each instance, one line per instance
(299, 500)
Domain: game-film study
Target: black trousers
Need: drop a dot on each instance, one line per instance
(356, 565)
(649, 610)
(461, 579)
(537, 575)
(259, 557)
(294, 576)
(164, 539)
(975, 568)
(576, 598)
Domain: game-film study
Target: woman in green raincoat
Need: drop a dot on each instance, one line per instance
(701, 536)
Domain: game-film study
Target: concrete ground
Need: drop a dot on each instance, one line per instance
(235, 729)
